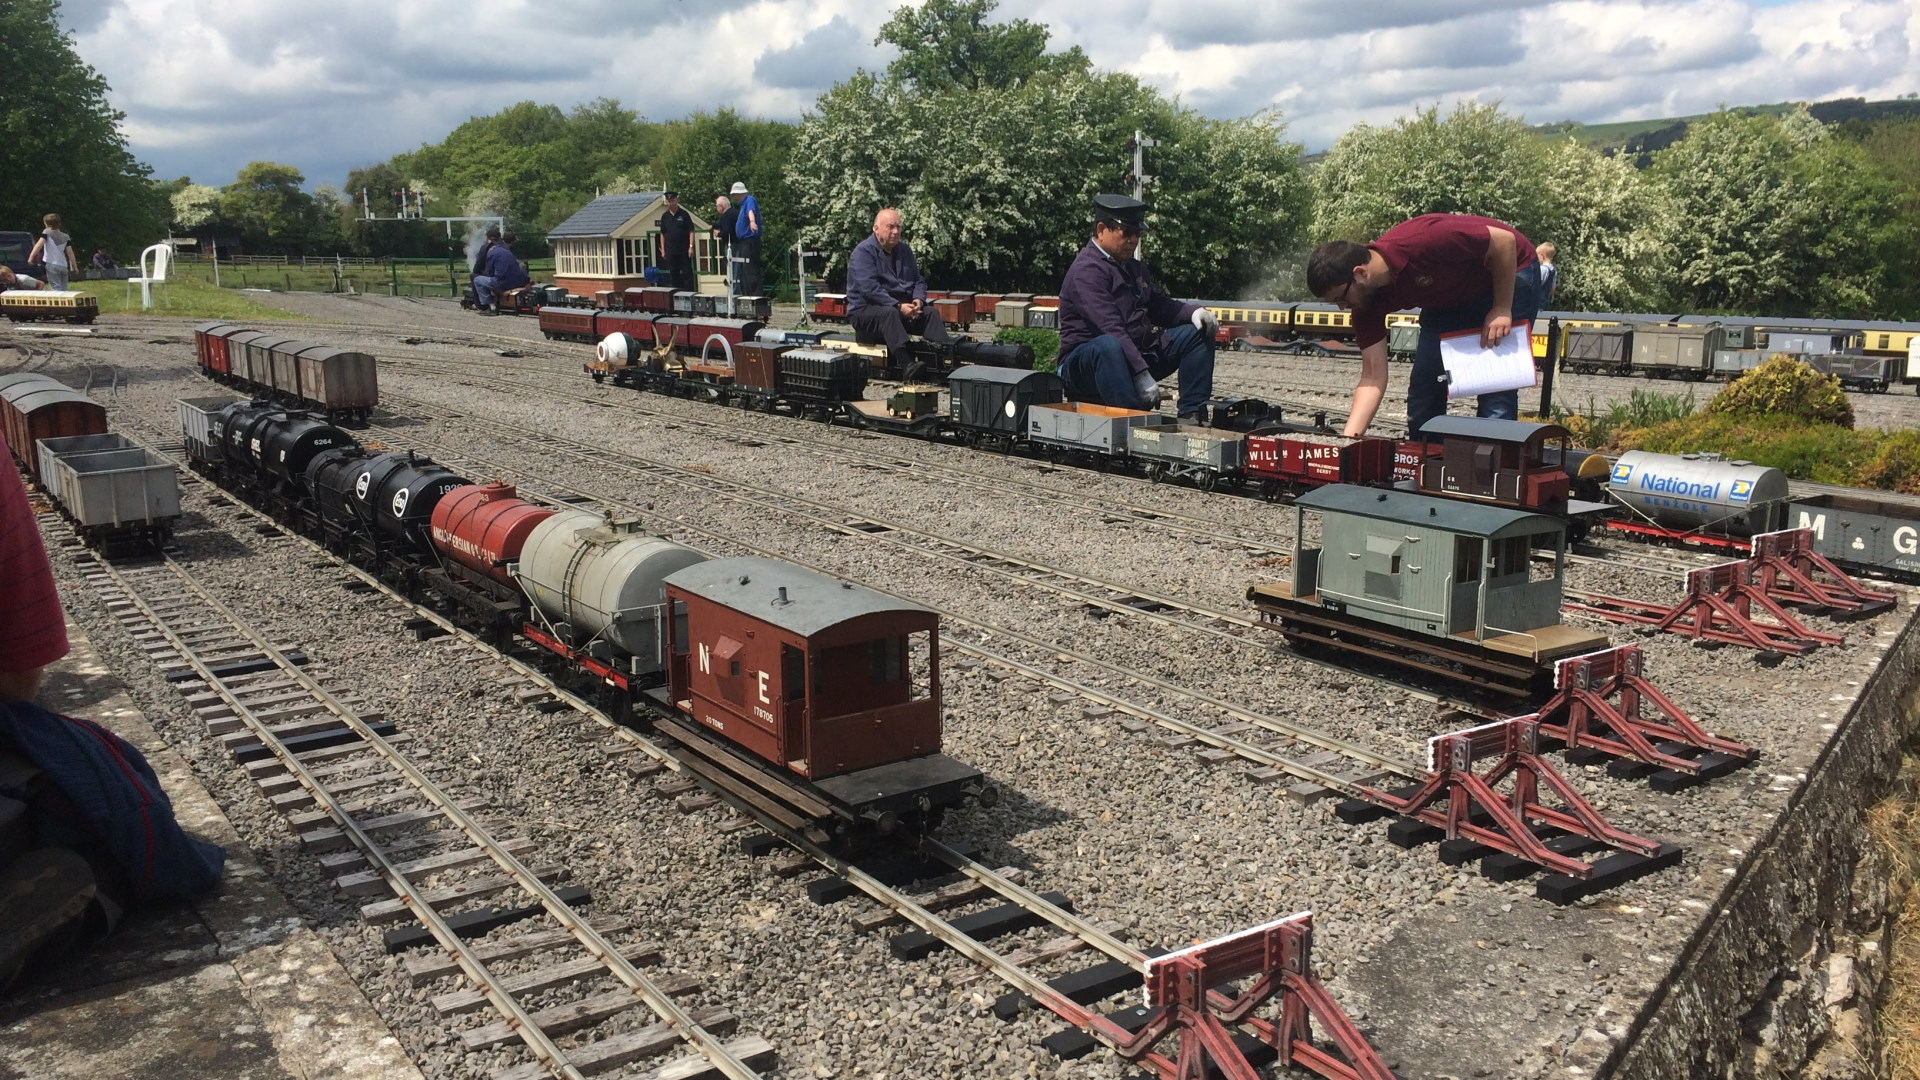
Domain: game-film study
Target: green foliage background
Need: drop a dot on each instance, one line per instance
(991, 145)
(61, 149)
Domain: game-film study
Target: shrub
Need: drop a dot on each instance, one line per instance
(1044, 343)
(1785, 387)
(1896, 467)
(1803, 450)
(1595, 428)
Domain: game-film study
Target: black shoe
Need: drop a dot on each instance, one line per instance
(44, 899)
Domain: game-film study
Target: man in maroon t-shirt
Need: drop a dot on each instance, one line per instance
(1461, 271)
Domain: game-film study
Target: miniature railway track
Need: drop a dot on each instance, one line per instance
(980, 904)
(1189, 524)
(1316, 763)
(394, 832)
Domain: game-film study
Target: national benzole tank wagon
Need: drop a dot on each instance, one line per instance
(1697, 492)
(1442, 586)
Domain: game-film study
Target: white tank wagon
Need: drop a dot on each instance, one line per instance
(600, 585)
(1699, 492)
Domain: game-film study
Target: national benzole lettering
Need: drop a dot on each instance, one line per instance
(1654, 483)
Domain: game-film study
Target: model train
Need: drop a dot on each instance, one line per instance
(118, 496)
(1251, 447)
(48, 305)
(670, 352)
(1443, 586)
(533, 299)
(343, 384)
(1700, 351)
(818, 700)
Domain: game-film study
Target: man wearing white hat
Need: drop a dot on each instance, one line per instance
(747, 229)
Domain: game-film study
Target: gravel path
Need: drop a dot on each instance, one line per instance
(1173, 849)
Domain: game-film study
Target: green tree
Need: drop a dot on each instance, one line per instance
(266, 204)
(1474, 160)
(704, 155)
(1612, 225)
(195, 205)
(1614, 228)
(1892, 148)
(1780, 220)
(948, 45)
(994, 177)
(61, 147)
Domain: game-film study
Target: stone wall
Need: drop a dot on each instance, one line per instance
(1782, 981)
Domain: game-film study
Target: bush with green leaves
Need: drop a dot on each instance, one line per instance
(1044, 343)
(1803, 449)
(1784, 386)
(1596, 427)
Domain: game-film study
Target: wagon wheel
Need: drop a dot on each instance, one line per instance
(1208, 481)
(1156, 472)
(599, 376)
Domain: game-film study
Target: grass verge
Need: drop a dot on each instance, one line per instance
(183, 298)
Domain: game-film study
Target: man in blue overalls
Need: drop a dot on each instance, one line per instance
(1110, 353)
(1460, 270)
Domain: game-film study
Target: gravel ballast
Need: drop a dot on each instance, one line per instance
(1170, 847)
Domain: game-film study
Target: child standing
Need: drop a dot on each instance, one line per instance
(54, 250)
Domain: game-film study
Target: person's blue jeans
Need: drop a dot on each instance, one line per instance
(483, 290)
(1097, 370)
(1426, 394)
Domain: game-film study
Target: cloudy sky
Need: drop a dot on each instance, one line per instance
(209, 86)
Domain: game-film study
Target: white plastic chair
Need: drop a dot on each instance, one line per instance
(162, 255)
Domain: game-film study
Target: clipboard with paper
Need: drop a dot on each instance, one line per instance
(1472, 370)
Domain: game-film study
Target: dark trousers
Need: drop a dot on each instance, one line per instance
(749, 282)
(680, 271)
(1426, 393)
(873, 325)
(1097, 370)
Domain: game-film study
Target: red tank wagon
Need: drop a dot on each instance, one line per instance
(484, 526)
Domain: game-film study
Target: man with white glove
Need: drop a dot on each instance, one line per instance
(1110, 352)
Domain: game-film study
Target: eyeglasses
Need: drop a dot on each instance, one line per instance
(1345, 291)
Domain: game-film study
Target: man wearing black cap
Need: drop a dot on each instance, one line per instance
(1110, 353)
(673, 244)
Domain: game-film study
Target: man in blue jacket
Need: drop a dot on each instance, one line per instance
(503, 272)
(747, 231)
(886, 296)
(1109, 306)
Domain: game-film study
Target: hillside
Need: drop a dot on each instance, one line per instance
(1642, 137)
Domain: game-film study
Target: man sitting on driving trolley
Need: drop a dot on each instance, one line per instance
(1110, 352)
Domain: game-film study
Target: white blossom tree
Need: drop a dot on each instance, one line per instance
(195, 205)
(995, 184)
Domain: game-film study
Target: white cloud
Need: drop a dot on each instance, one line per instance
(208, 87)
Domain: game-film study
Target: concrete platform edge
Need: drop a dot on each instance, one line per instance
(320, 1023)
(1752, 993)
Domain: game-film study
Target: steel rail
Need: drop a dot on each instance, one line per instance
(1274, 724)
(1211, 528)
(847, 524)
(543, 1047)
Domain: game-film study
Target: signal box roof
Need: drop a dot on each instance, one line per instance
(1453, 515)
(786, 596)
